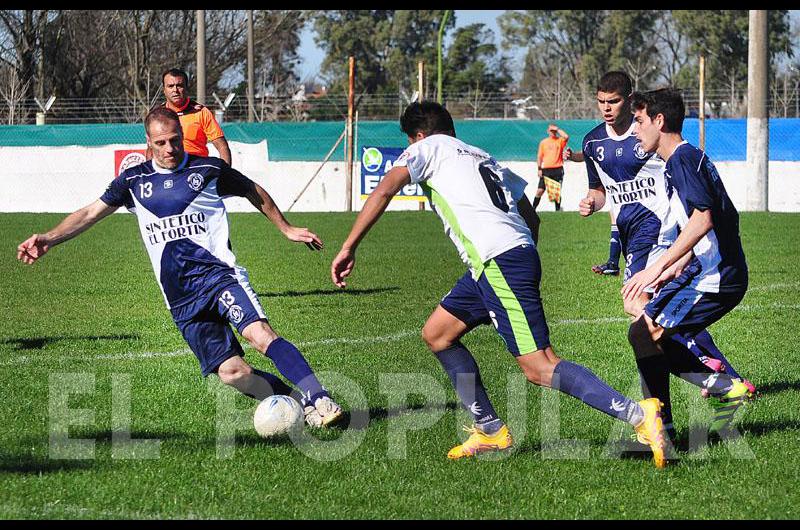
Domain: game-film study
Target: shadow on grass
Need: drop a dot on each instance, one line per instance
(761, 428)
(34, 464)
(776, 387)
(107, 435)
(327, 292)
(37, 343)
(252, 439)
(697, 438)
(31, 464)
(382, 413)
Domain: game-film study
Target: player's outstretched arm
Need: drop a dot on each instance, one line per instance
(224, 150)
(376, 204)
(37, 245)
(263, 202)
(698, 226)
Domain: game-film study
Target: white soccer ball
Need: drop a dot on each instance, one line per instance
(277, 415)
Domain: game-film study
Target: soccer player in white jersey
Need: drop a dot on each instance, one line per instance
(177, 199)
(632, 181)
(703, 275)
(483, 208)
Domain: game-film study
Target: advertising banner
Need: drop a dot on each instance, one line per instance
(125, 158)
(375, 162)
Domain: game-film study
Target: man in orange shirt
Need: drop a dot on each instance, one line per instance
(197, 121)
(551, 165)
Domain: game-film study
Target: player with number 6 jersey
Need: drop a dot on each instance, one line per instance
(473, 195)
(486, 214)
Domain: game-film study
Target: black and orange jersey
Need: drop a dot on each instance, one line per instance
(551, 151)
(199, 127)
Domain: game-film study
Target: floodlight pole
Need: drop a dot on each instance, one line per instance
(702, 114)
(420, 74)
(348, 182)
(201, 56)
(757, 114)
(439, 57)
(251, 109)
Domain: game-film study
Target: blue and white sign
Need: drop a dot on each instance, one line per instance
(375, 162)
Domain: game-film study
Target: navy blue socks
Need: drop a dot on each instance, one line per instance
(294, 367)
(463, 371)
(615, 247)
(706, 344)
(580, 382)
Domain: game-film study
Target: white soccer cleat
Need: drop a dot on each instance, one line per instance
(324, 412)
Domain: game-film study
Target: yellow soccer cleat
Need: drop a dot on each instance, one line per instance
(480, 442)
(651, 430)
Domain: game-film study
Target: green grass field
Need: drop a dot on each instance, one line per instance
(91, 307)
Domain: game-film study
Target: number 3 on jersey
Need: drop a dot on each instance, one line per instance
(494, 187)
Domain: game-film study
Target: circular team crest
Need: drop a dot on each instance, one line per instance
(638, 150)
(195, 181)
(372, 159)
(130, 160)
(236, 314)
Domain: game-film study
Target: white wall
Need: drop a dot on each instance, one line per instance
(63, 179)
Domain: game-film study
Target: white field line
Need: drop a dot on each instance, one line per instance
(25, 359)
(761, 307)
(775, 287)
(57, 507)
(591, 321)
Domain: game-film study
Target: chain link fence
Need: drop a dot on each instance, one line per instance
(784, 102)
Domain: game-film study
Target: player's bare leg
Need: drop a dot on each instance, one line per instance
(251, 382)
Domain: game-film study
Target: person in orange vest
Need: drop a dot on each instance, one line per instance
(551, 165)
(197, 121)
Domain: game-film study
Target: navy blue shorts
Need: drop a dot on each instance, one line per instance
(205, 323)
(639, 258)
(680, 307)
(507, 295)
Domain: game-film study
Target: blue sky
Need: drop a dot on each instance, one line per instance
(312, 56)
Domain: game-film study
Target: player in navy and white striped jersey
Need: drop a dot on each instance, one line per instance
(703, 275)
(177, 199)
(632, 181)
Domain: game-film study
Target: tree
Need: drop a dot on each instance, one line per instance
(386, 44)
(21, 45)
(672, 49)
(561, 38)
(472, 63)
(722, 36)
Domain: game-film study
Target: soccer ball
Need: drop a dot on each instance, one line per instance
(277, 415)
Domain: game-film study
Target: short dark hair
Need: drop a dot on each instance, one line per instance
(666, 101)
(427, 117)
(616, 81)
(161, 114)
(176, 72)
